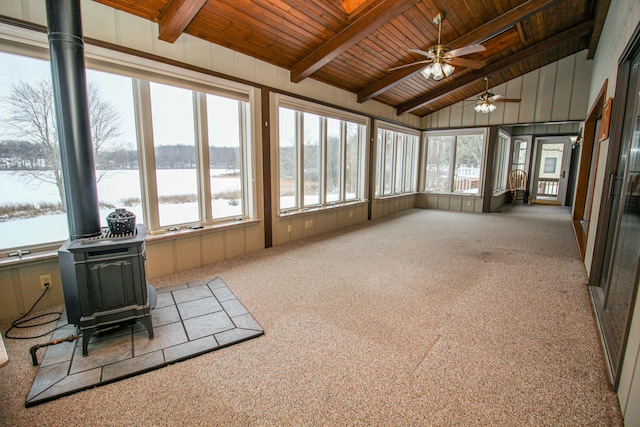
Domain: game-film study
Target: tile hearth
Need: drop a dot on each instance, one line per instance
(189, 319)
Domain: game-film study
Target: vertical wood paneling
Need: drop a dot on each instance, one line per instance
(222, 59)
(581, 80)
(443, 118)
(188, 253)
(455, 118)
(12, 8)
(212, 248)
(35, 11)
(234, 243)
(196, 51)
(529, 97)
(481, 119)
(545, 93)
(173, 50)
(9, 306)
(134, 32)
(104, 19)
(468, 115)
(254, 238)
(563, 88)
(160, 259)
(512, 109)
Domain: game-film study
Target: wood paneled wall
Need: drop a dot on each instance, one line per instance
(554, 93)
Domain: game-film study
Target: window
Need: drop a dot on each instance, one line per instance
(520, 149)
(454, 162)
(175, 154)
(173, 151)
(31, 201)
(396, 161)
(501, 163)
(320, 156)
(550, 165)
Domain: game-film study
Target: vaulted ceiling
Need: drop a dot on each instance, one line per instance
(352, 44)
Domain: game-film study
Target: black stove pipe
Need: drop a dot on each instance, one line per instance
(66, 46)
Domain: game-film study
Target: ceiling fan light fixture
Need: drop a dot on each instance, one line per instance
(484, 107)
(426, 72)
(437, 71)
(447, 69)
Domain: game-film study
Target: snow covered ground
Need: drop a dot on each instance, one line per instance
(113, 188)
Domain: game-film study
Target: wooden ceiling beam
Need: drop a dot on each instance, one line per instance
(602, 7)
(176, 16)
(348, 37)
(485, 31)
(465, 81)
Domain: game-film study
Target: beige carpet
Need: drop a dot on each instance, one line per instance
(424, 318)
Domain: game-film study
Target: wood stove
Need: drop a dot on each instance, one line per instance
(104, 282)
(103, 277)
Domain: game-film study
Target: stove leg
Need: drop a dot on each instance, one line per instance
(86, 336)
(146, 322)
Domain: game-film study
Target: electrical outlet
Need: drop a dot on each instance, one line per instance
(308, 224)
(289, 228)
(45, 281)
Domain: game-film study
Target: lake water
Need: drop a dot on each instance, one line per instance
(114, 187)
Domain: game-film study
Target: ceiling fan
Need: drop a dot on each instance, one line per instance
(441, 58)
(485, 101)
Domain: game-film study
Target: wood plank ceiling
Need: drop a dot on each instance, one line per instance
(352, 44)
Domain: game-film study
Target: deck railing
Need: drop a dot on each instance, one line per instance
(548, 187)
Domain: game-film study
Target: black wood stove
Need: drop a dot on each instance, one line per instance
(104, 282)
(103, 277)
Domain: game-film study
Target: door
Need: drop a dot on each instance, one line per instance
(619, 273)
(550, 174)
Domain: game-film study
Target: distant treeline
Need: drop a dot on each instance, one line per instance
(22, 155)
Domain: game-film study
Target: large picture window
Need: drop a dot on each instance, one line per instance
(454, 162)
(320, 156)
(396, 161)
(172, 151)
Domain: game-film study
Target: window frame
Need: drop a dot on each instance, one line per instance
(484, 132)
(143, 69)
(300, 108)
(501, 162)
(403, 137)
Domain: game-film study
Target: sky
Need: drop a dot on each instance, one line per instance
(176, 114)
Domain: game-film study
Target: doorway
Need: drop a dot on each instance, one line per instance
(618, 260)
(551, 170)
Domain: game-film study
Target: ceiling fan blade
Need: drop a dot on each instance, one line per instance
(507, 100)
(501, 98)
(472, 48)
(409, 65)
(467, 63)
(422, 52)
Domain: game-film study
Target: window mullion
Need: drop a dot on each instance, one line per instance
(452, 164)
(202, 152)
(343, 161)
(323, 161)
(245, 183)
(300, 159)
(146, 153)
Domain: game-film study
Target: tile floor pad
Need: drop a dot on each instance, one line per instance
(189, 319)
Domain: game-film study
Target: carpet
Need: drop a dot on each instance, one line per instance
(189, 319)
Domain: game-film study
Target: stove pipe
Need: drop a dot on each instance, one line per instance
(66, 47)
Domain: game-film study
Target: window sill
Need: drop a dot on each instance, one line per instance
(395, 196)
(29, 258)
(182, 232)
(159, 235)
(303, 211)
(435, 193)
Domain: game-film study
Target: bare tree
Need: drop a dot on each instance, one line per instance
(32, 118)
